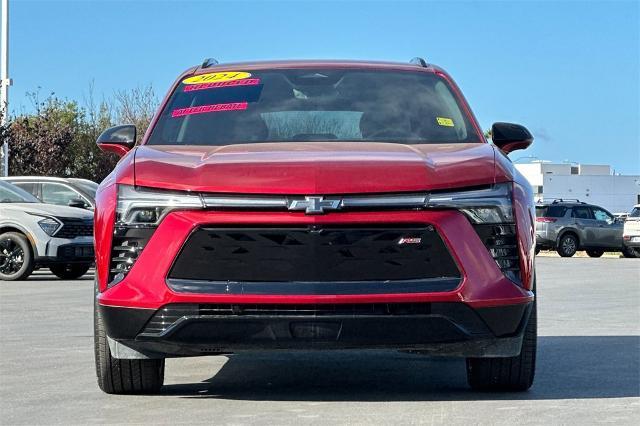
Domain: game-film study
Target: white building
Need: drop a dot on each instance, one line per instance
(591, 183)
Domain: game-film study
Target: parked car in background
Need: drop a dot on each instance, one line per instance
(631, 232)
(34, 234)
(570, 225)
(72, 192)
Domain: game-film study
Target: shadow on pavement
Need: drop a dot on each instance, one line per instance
(569, 367)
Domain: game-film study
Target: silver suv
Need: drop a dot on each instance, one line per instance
(569, 226)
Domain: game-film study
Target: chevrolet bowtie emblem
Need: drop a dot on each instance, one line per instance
(314, 205)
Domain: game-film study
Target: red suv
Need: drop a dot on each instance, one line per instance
(314, 205)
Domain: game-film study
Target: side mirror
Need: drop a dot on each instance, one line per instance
(510, 137)
(118, 139)
(76, 202)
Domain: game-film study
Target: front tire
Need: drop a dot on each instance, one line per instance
(568, 245)
(507, 374)
(595, 253)
(69, 271)
(16, 257)
(123, 376)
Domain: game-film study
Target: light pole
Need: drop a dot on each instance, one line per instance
(5, 81)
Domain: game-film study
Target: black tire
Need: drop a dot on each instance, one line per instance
(507, 374)
(70, 271)
(537, 251)
(16, 257)
(568, 245)
(631, 252)
(123, 376)
(595, 253)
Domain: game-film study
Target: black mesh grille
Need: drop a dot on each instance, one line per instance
(502, 243)
(314, 254)
(72, 228)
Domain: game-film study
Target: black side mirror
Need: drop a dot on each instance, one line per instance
(510, 137)
(118, 139)
(76, 202)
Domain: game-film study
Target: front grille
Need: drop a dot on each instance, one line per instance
(314, 254)
(168, 315)
(75, 252)
(72, 228)
(128, 243)
(502, 243)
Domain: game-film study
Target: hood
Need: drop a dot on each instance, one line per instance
(48, 210)
(315, 167)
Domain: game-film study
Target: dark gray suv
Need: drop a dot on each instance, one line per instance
(568, 226)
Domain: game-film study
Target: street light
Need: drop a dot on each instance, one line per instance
(5, 82)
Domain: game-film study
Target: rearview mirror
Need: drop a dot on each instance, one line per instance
(118, 139)
(510, 137)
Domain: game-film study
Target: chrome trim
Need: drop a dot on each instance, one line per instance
(244, 202)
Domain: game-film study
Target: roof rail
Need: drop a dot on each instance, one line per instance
(564, 200)
(419, 61)
(209, 62)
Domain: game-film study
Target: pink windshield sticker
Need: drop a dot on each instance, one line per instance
(216, 84)
(235, 106)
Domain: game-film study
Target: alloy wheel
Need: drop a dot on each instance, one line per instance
(11, 257)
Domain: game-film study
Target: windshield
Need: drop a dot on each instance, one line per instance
(87, 186)
(12, 194)
(635, 212)
(312, 105)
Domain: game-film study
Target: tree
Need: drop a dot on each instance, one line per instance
(58, 137)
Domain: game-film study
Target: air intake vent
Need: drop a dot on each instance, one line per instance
(128, 243)
(502, 243)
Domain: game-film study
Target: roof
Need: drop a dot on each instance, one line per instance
(46, 178)
(313, 63)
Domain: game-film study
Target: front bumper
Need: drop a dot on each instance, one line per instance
(631, 240)
(64, 250)
(481, 314)
(450, 329)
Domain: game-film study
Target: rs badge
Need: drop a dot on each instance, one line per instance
(410, 240)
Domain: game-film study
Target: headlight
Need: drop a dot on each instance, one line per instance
(489, 205)
(142, 206)
(49, 225)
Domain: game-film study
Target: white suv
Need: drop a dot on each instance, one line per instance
(631, 232)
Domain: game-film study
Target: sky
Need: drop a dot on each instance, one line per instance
(569, 71)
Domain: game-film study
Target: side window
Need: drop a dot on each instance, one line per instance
(556, 211)
(581, 212)
(55, 193)
(27, 186)
(600, 214)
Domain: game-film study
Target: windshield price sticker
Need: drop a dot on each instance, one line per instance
(235, 106)
(216, 77)
(217, 84)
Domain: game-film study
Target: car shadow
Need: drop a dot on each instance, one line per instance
(569, 367)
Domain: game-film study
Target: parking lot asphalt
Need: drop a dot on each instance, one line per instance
(588, 367)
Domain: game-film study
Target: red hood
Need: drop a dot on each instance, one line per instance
(315, 167)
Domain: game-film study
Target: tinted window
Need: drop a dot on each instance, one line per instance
(313, 105)
(581, 212)
(12, 194)
(551, 211)
(600, 214)
(635, 212)
(55, 193)
(27, 186)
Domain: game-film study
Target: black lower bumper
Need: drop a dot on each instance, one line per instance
(452, 329)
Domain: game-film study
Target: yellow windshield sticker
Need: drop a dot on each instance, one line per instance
(216, 77)
(443, 121)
